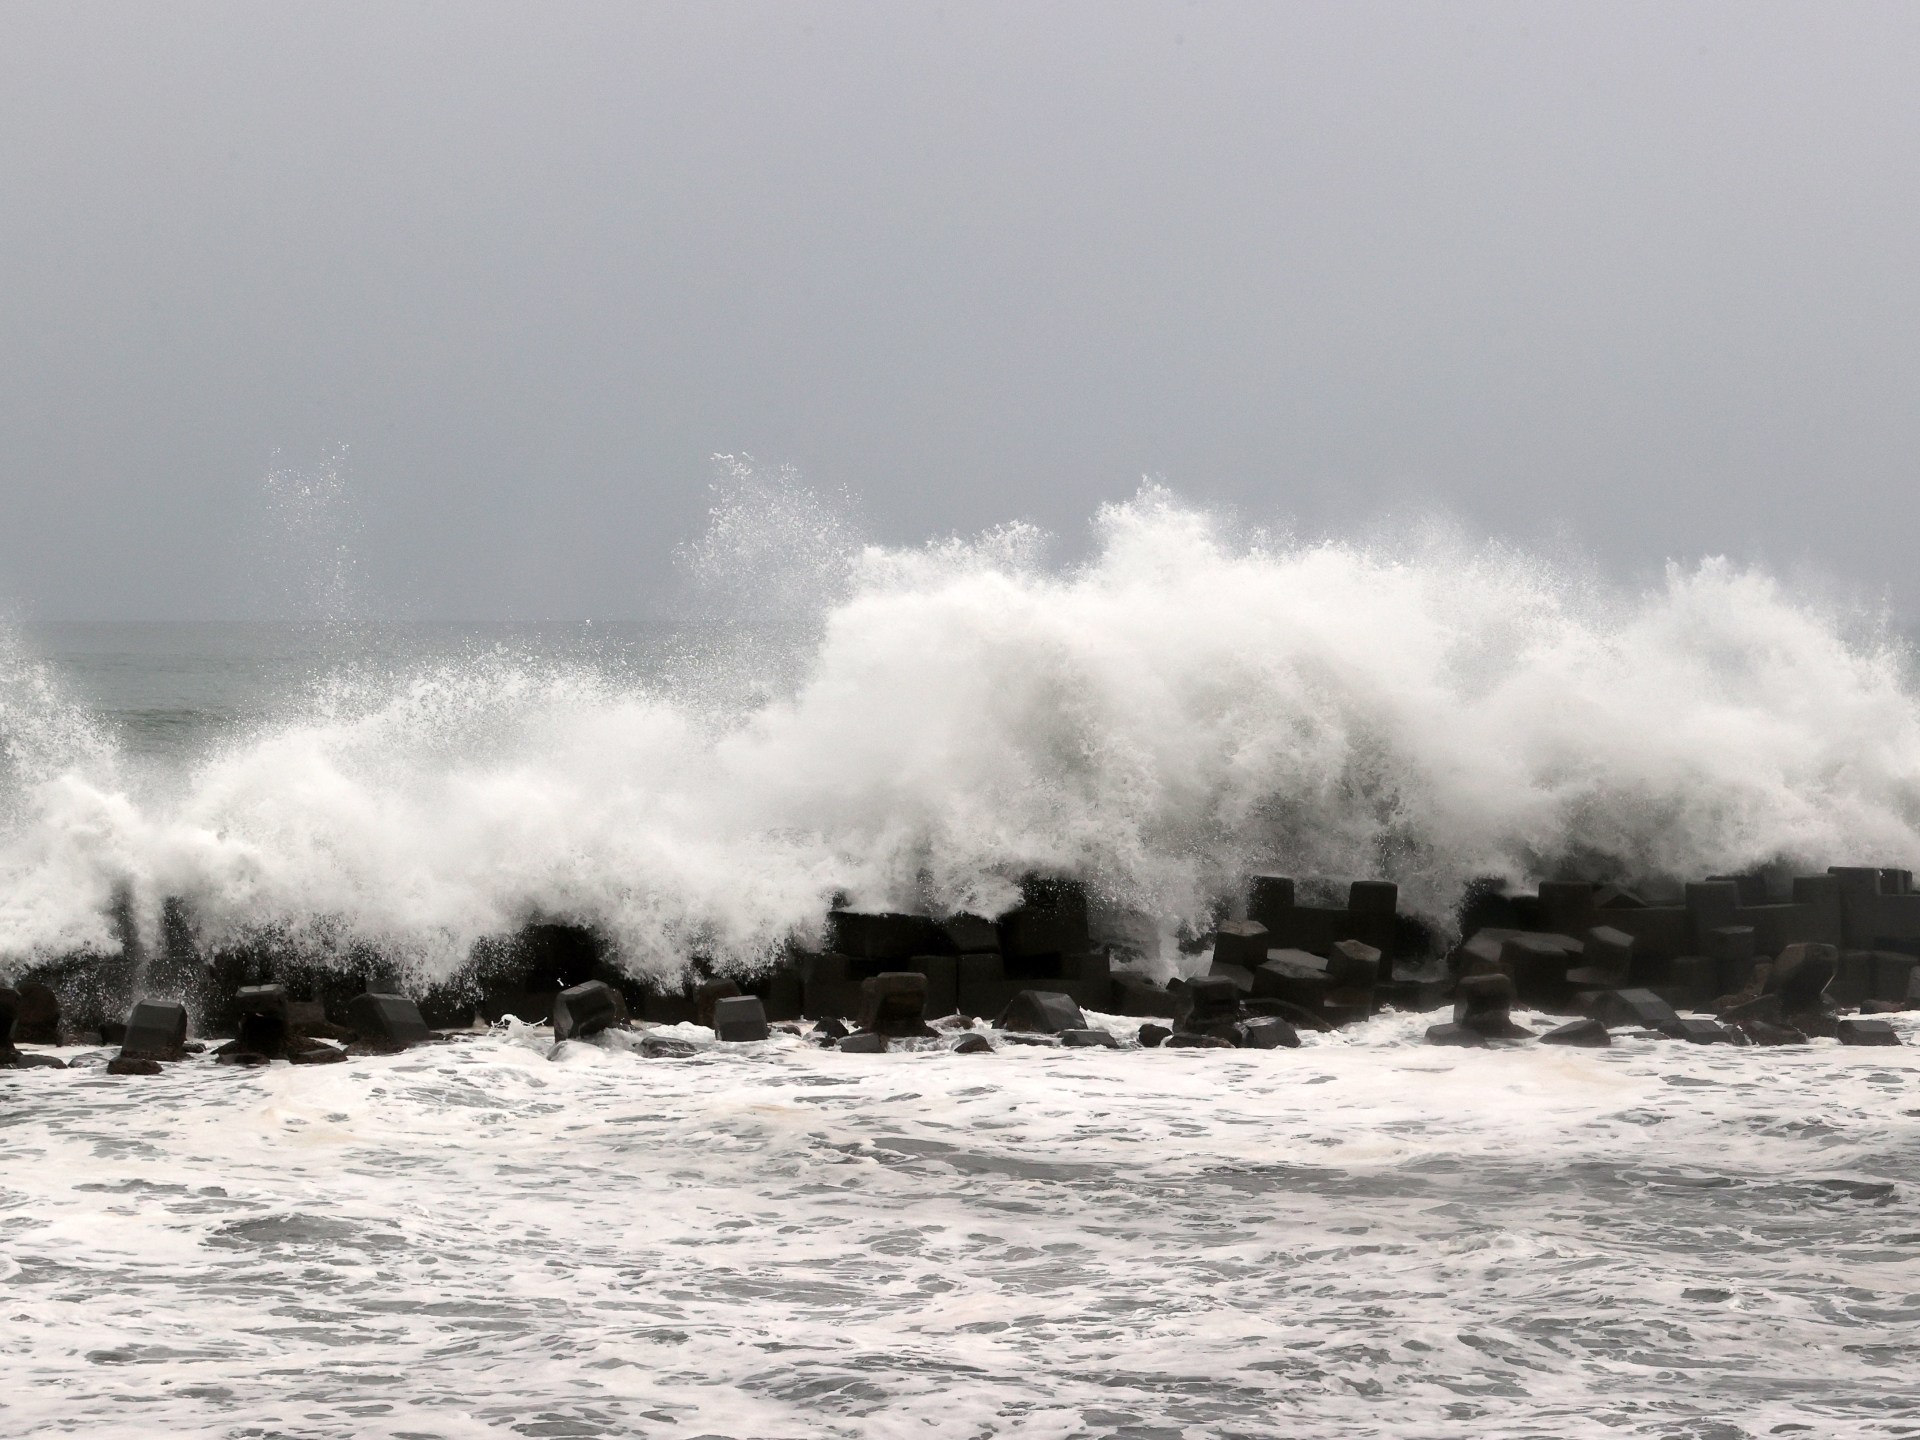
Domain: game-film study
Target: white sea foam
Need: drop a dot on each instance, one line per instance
(1361, 1237)
(1188, 705)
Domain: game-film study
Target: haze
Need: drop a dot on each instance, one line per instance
(1635, 279)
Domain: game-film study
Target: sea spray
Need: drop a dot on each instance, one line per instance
(1187, 706)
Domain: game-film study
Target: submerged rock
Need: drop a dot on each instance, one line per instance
(1589, 1033)
(1045, 1012)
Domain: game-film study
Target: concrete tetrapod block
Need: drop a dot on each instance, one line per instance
(387, 1021)
(1637, 1007)
(863, 1042)
(9, 1014)
(1801, 974)
(37, 1020)
(1868, 1032)
(1294, 976)
(740, 1018)
(156, 1030)
(586, 1009)
(1208, 1000)
(894, 1003)
(1353, 965)
(1697, 1030)
(1455, 1035)
(1240, 942)
(1043, 1012)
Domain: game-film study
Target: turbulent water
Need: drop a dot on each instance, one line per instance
(917, 727)
(1362, 1237)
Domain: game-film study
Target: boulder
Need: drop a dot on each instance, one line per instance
(317, 1052)
(1189, 1040)
(1762, 1032)
(1454, 1034)
(971, 1043)
(132, 1065)
(1697, 1030)
(1867, 1032)
(387, 1022)
(1588, 1032)
(666, 1047)
(1737, 1009)
(1153, 1036)
(1047, 1012)
(586, 1009)
(1088, 1039)
(832, 1028)
(862, 1042)
(156, 1030)
(895, 1004)
(740, 1018)
(1268, 1032)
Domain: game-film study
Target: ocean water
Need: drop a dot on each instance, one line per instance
(1362, 1237)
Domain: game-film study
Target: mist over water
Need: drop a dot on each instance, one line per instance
(916, 727)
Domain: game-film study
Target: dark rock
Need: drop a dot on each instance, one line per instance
(586, 1009)
(1240, 942)
(1820, 1023)
(1589, 1032)
(1867, 1032)
(895, 1004)
(12, 1059)
(1884, 1007)
(741, 1018)
(971, 1043)
(1638, 1008)
(1189, 1040)
(1046, 1012)
(132, 1065)
(1268, 1032)
(1736, 1009)
(832, 1028)
(1762, 1032)
(37, 1016)
(156, 1030)
(112, 1032)
(1088, 1039)
(1451, 1034)
(1023, 1037)
(1697, 1030)
(1153, 1036)
(388, 1022)
(228, 1055)
(1801, 974)
(862, 1042)
(666, 1047)
(1297, 1016)
(318, 1053)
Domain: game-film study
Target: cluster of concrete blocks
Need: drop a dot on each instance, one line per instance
(270, 1027)
(1728, 947)
(1768, 969)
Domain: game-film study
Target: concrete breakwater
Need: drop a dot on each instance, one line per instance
(1737, 960)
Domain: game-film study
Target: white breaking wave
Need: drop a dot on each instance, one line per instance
(1187, 706)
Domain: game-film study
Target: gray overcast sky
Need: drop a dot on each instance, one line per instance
(1638, 275)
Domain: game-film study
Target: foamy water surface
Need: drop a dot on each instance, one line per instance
(1362, 1237)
